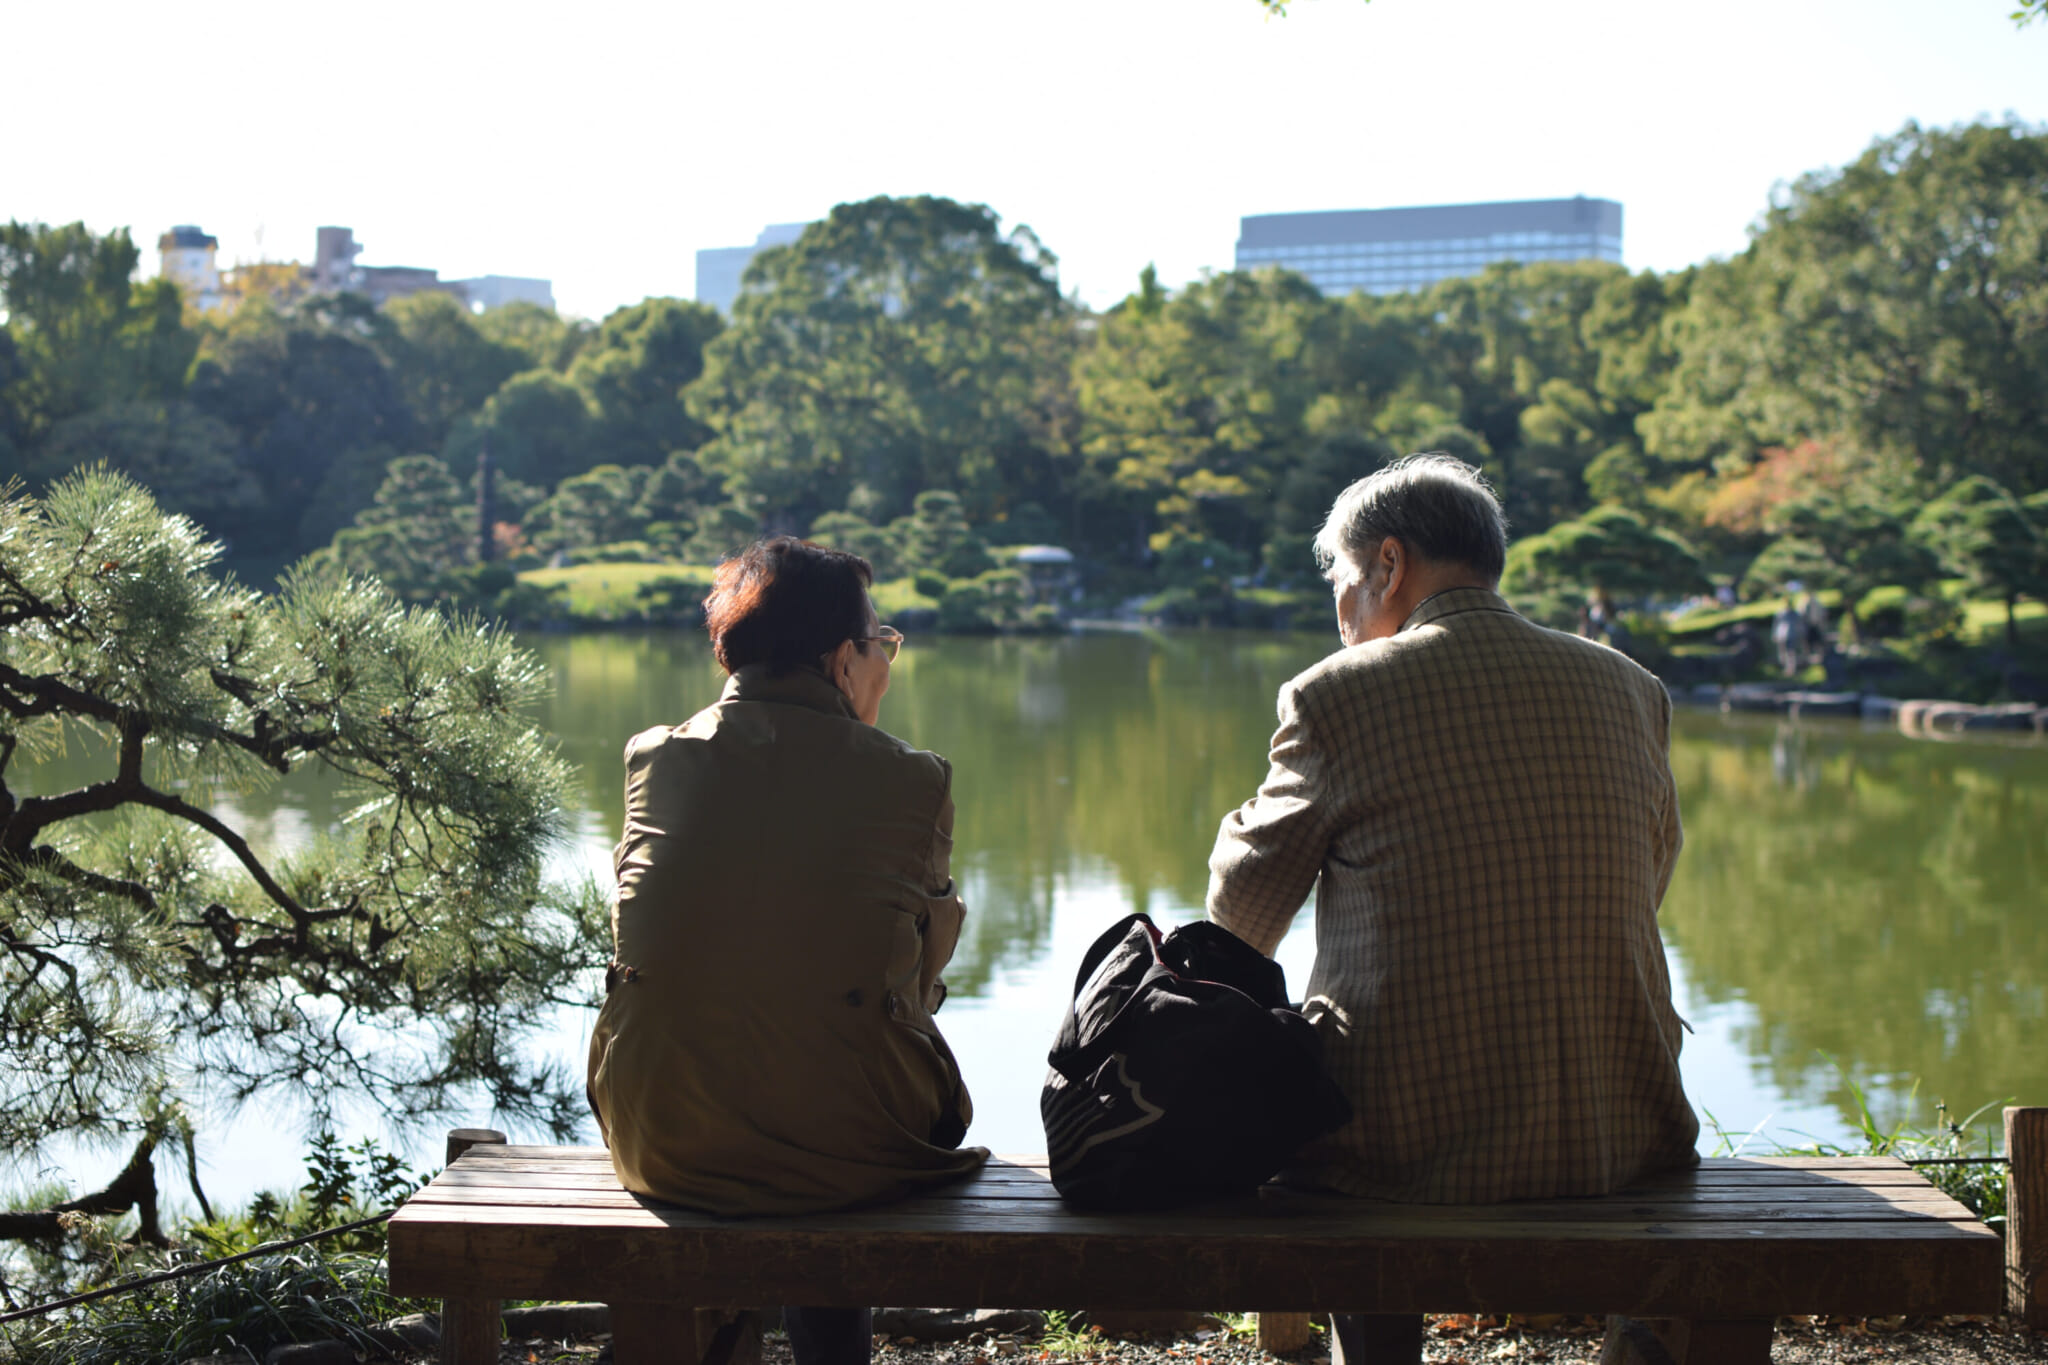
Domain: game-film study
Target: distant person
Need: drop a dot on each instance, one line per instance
(1788, 638)
(785, 908)
(1489, 810)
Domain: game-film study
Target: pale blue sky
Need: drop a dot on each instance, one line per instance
(601, 144)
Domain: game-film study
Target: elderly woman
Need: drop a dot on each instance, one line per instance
(767, 1043)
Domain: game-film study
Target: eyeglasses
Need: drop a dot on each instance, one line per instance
(890, 639)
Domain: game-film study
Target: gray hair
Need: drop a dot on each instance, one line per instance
(1437, 505)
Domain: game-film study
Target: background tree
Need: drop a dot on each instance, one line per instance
(1900, 303)
(546, 339)
(191, 461)
(317, 411)
(1849, 540)
(540, 427)
(1984, 535)
(879, 545)
(1611, 551)
(417, 534)
(633, 371)
(597, 507)
(145, 941)
(900, 345)
(82, 335)
(1194, 403)
(444, 364)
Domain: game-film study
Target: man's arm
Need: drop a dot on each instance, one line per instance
(1271, 849)
(1670, 833)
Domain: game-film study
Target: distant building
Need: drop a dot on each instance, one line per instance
(186, 258)
(719, 268)
(495, 291)
(1384, 251)
(334, 271)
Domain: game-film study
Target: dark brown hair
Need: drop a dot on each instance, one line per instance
(784, 602)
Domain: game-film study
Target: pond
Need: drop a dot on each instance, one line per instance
(1854, 911)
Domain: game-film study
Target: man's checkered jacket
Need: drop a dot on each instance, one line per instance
(1486, 812)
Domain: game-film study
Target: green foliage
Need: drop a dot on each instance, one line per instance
(333, 1288)
(1986, 536)
(539, 427)
(190, 460)
(298, 1296)
(901, 344)
(1900, 303)
(1849, 541)
(633, 371)
(880, 546)
(146, 942)
(1611, 551)
(1785, 414)
(344, 1184)
(419, 531)
(81, 334)
(317, 411)
(937, 538)
(593, 508)
(547, 340)
(445, 365)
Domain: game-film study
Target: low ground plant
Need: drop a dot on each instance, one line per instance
(1958, 1155)
(331, 1289)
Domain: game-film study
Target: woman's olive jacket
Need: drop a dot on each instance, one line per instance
(767, 1043)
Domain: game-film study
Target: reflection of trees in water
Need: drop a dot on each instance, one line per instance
(1074, 758)
(1873, 898)
(1085, 756)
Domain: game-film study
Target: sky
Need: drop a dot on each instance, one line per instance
(602, 144)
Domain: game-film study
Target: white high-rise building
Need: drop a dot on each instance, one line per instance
(186, 258)
(719, 268)
(1385, 251)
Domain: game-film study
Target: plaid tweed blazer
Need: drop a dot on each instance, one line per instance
(1486, 810)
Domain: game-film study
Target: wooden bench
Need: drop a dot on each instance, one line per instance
(1712, 1256)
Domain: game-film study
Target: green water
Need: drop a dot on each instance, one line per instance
(1851, 906)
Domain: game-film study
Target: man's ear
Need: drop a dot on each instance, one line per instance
(1393, 556)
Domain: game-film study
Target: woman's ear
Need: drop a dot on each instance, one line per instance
(839, 666)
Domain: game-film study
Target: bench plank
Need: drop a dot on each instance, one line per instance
(1051, 1216)
(1748, 1238)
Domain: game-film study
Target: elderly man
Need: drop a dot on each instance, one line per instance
(1489, 808)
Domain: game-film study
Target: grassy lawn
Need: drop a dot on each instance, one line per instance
(899, 595)
(609, 592)
(1984, 622)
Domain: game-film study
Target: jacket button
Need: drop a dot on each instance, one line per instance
(894, 1002)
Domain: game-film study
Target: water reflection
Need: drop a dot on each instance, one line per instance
(1076, 759)
(1871, 898)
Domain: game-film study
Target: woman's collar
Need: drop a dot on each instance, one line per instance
(807, 687)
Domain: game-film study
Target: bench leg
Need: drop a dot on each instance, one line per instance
(663, 1334)
(1282, 1334)
(1681, 1341)
(471, 1330)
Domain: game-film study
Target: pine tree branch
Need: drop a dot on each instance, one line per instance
(43, 858)
(25, 696)
(134, 1187)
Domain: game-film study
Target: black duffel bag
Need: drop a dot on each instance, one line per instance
(1181, 1073)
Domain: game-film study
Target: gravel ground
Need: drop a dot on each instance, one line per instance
(1454, 1340)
